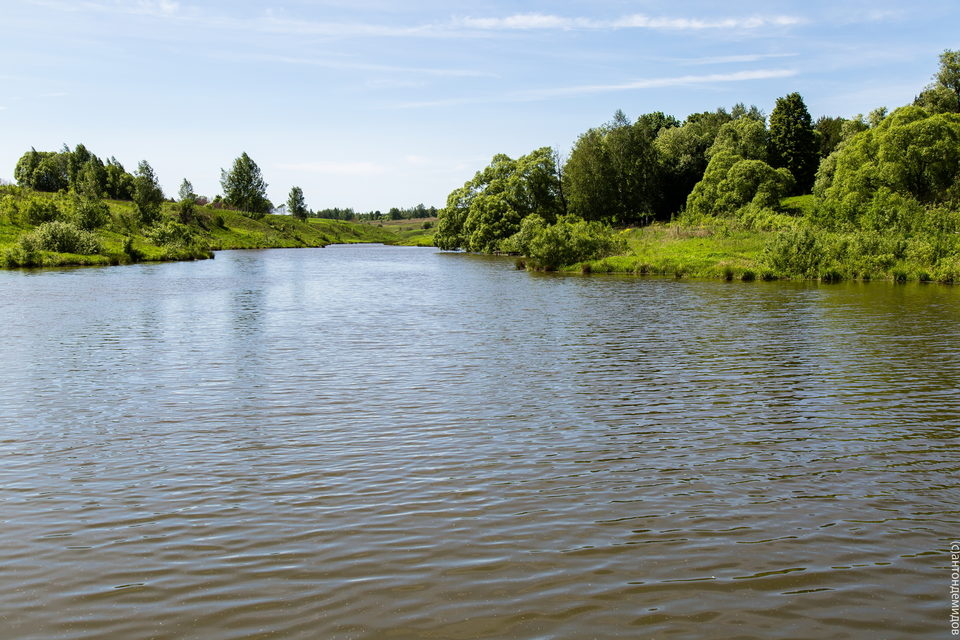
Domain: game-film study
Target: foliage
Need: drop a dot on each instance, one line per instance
(186, 191)
(880, 176)
(41, 170)
(793, 141)
(489, 208)
(744, 137)
(731, 182)
(614, 172)
(63, 237)
(569, 240)
(244, 187)
(296, 205)
(88, 213)
(147, 194)
(829, 134)
(37, 210)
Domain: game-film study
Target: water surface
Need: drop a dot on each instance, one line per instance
(386, 442)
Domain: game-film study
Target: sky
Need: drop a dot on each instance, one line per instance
(372, 104)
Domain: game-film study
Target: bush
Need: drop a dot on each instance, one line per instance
(570, 240)
(40, 210)
(795, 252)
(89, 213)
(62, 237)
(172, 234)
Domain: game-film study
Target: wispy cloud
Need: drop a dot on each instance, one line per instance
(273, 22)
(530, 21)
(635, 85)
(337, 168)
(346, 64)
(750, 57)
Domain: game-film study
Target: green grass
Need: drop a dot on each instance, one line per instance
(674, 250)
(408, 233)
(212, 229)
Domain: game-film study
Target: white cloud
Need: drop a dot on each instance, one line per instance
(750, 57)
(635, 85)
(271, 22)
(341, 63)
(529, 21)
(337, 168)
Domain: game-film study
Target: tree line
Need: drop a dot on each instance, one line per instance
(714, 163)
(81, 172)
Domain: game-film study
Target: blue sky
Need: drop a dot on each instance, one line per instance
(373, 104)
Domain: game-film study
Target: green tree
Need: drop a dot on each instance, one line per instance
(186, 191)
(488, 209)
(793, 141)
(244, 188)
(830, 132)
(744, 137)
(912, 156)
(147, 194)
(119, 183)
(732, 182)
(613, 172)
(186, 204)
(948, 76)
(296, 205)
(943, 96)
(683, 153)
(42, 170)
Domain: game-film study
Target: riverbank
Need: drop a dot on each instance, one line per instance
(786, 246)
(33, 224)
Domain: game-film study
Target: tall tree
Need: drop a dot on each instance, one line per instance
(186, 191)
(296, 205)
(948, 75)
(793, 141)
(147, 194)
(831, 133)
(244, 188)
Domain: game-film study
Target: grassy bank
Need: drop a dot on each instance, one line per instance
(789, 245)
(28, 221)
(415, 232)
(679, 251)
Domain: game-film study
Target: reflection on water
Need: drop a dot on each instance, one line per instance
(376, 442)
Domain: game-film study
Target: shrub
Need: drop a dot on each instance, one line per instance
(40, 210)
(172, 234)
(570, 240)
(795, 252)
(62, 237)
(89, 213)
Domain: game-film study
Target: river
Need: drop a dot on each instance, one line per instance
(388, 442)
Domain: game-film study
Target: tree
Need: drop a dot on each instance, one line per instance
(731, 182)
(683, 152)
(42, 170)
(296, 205)
(614, 171)
(244, 188)
(119, 183)
(911, 158)
(187, 202)
(943, 96)
(488, 209)
(186, 191)
(793, 141)
(744, 137)
(147, 194)
(948, 75)
(831, 134)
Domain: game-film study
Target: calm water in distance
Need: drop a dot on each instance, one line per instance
(388, 442)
